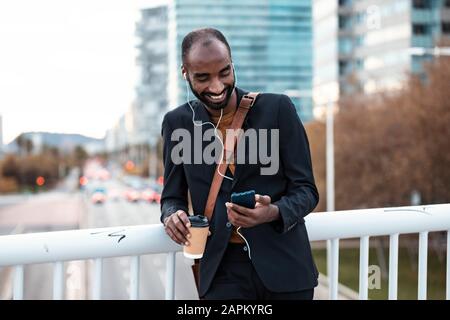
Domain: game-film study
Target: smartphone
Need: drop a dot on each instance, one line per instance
(244, 199)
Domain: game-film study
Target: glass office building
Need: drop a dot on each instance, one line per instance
(430, 23)
(271, 43)
(365, 45)
(152, 61)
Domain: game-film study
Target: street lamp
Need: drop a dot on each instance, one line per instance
(326, 97)
(330, 187)
(330, 156)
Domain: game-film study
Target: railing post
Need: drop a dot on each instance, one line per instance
(448, 266)
(423, 252)
(393, 266)
(18, 282)
(97, 287)
(334, 276)
(330, 173)
(58, 280)
(134, 278)
(170, 276)
(328, 248)
(363, 267)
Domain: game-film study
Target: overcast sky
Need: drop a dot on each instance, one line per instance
(66, 65)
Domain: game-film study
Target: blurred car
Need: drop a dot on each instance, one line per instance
(147, 195)
(151, 195)
(98, 196)
(157, 197)
(114, 194)
(104, 174)
(132, 195)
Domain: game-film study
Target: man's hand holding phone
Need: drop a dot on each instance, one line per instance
(264, 211)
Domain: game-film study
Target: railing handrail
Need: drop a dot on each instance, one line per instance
(378, 222)
(44, 247)
(119, 241)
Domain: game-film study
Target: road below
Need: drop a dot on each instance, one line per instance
(67, 210)
(52, 211)
(116, 271)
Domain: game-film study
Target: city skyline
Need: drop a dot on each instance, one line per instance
(255, 31)
(74, 71)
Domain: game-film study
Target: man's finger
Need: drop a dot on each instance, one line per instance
(265, 200)
(184, 217)
(179, 224)
(239, 209)
(181, 239)
(238, 220)
(232, 216)
(172, 236)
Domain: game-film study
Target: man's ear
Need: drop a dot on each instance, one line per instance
(184, 72)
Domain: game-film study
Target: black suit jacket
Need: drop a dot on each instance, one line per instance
(280, 250)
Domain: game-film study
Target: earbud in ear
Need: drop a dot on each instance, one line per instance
(184, 76)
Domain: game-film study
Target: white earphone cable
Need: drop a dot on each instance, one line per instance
(248, 246)
(214, 126)
(221, 143)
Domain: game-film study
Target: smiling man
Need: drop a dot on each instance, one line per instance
(252, 253)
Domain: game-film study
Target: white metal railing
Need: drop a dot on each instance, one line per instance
(390, 222)
(99, 243)
(60, 246)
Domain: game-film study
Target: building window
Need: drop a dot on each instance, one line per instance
(446, 27)
(343, 3)
(359, 40)
(345, 45)
(345, 22)
(420, 29)
(359, 64)
(344, 67)
(421, 4)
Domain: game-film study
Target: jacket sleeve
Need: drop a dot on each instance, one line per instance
(174, 194)
(301, 195)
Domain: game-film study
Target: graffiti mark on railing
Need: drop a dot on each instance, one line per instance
(118, 233)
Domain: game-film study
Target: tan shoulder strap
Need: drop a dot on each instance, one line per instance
(246, 103)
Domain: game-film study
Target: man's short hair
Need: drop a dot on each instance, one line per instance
(206, 35)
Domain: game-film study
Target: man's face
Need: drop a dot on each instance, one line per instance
(210, 74)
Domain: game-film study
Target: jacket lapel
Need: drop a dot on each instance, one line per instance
(201, 115)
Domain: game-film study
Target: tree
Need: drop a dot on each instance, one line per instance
(10, 167)
(389, 145)
(316, 136)
(28, 146)
(79, 156)
(20, 141)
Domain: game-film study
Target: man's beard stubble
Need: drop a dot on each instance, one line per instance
(215, 106)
